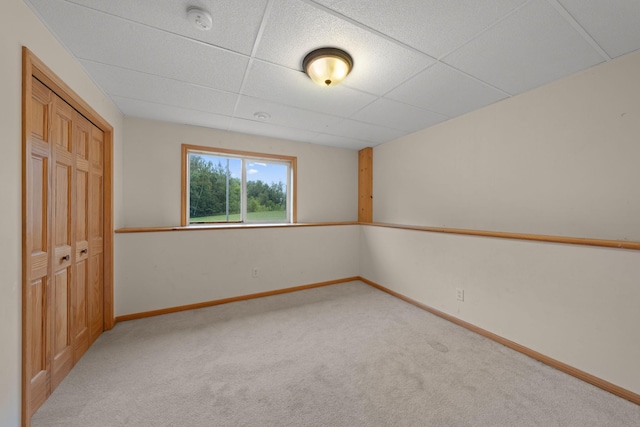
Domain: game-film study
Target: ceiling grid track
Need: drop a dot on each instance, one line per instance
(256, 43)
(585, 35)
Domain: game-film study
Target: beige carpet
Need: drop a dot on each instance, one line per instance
(343, 355)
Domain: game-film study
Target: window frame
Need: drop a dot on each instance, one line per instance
(245, 156)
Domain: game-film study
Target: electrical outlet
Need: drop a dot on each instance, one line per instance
(460, 294)
(254, 272)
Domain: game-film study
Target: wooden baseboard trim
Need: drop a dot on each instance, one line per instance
(563, 367)
(168, 310)
(584, 376)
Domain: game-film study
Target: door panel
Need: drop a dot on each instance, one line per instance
(38, 230)
(96, 297)
(37, 313)
(62, 192)
(61, 341)
(37, 368)
(96, 232)
(80, 304)
(39, 111)
(63, 239)
(80, 310)
(39, 178)
(36, 359)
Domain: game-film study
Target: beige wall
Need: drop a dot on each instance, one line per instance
(559, 160)
(327, 176)
(576, 304)
(18, 27)
(159, 270)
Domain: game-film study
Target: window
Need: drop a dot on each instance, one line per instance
(228, 186)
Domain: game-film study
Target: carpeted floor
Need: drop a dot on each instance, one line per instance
(342, 355)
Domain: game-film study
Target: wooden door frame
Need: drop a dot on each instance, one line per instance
(32, 66)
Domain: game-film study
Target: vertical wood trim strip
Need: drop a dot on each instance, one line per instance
(294, 183)
(26, 117)
(365, 185)
(108, 230)
(183, 187)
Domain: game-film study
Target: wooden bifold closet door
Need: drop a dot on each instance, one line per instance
(63, 239)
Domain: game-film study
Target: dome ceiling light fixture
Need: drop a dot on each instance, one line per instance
(200, 18)
(327, 66)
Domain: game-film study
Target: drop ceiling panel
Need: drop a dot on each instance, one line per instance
(167, 113)
(270, 130)
(235, 22)
(284, 115)
(533, 46)
(338, 141)
(148, 58)
(104, 38)
(294, 28)
(435, 27)
(446, 91)
(160, 90)
(614, 24)
(396, 115)
(365, 131)
(295, 89)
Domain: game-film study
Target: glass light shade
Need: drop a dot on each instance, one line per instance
(327, 66)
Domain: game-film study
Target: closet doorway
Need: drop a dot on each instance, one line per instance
(67, 229)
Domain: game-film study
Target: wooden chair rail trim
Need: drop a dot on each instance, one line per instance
(618, 244)
(563, 367)
(230, 227)
(168, 310)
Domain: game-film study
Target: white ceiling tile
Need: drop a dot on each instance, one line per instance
(167, 113)
(284, 115)
(294, 28)
(613, 24)
(235, 22)
(396, 115)
(532, 47)
(145, 55)
(435, 27)
(103, 38)
(341, 142)
(136, 85)
(294, 88)
(270, 130)
(446, 91)
(373, 134)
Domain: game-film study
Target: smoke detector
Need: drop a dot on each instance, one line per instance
(260, 115)
(199, 18)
